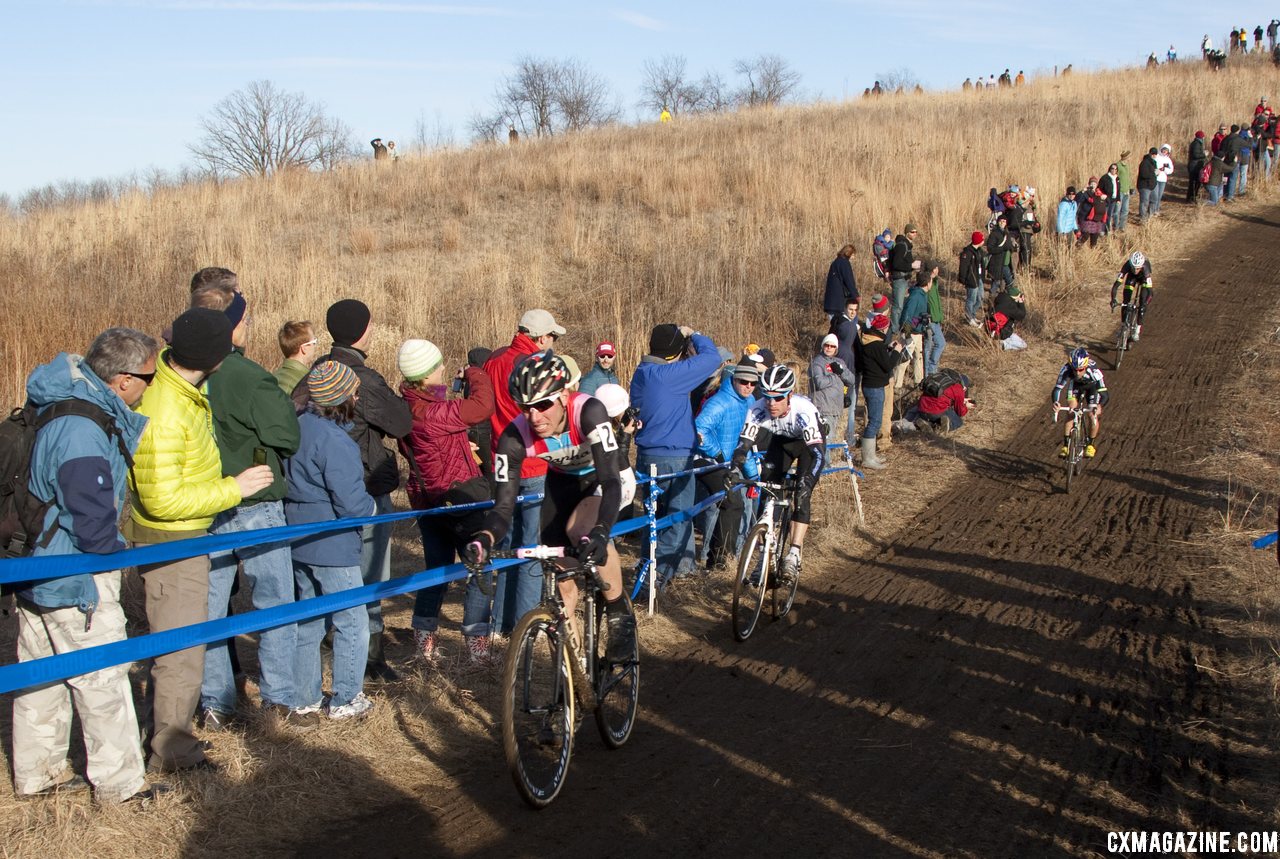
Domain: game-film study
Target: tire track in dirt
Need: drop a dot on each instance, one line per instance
(1015, 675)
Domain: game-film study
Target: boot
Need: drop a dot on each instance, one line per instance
(869, 454)
(376, 668)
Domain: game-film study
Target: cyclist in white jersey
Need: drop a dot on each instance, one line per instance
(786, 428)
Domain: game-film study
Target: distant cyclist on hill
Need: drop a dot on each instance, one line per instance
(786, 428)
(1135, 273)
(1083, 383)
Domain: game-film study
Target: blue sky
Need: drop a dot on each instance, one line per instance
(102, 88)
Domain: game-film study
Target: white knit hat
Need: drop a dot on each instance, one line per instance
(418, 359)
(830, 340)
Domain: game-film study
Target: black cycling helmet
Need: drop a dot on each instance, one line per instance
(777, 381)
(538, 378)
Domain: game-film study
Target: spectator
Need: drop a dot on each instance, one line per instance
(1215, 145)
(481, 432)
(1028, 226)
(301, 347)
(519, 588)
(1245, 158)
(876, 363)
(1011, 304)
(1148, 173)
(575, 374)
(178, 487)
(378, 414)
(443, 472)
(660, 391)
(379, 150)
(1164, 169)
(970, 274)
(902, 264)
(1272, 29)
(945, 411)
(392, 154)
(1020, 79)
(254, 423)
(1230, 149)
(841, 286)
(1196, 159)
(1091, 212)
(326, 483)
(1217, 172)
(1109, 184)
(718, 426)
(1068, 213)
(831, 384)
(1257, 38)
(881, 247)
(513, 136)
(1000, 248)
(915, 322)
(936, 343)
(83, 471)
(1125, 191)
(602, 373)
(845, 328)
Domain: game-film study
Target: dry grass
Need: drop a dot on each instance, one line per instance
(726, 223)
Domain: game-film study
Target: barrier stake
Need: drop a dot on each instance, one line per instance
(651, 507)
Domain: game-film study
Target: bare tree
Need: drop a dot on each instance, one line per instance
(261, 129)
(485, 127)
(714, 95)
(527, 98)
(769, 80)
(543, 97)
(666, 85)
(900, 78)
(433, 134)
(582, 98)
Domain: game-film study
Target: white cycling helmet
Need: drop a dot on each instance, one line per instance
(615, 399)
(1137, 260)
(777, 381)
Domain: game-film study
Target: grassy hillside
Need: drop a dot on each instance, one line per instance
(727, 223)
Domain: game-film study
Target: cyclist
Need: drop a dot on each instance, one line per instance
(786, 428)
(1136, 272)
(572, 433)
(1084, 383)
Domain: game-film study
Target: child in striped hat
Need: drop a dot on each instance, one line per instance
(326, 483)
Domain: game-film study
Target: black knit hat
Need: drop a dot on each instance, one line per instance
(347, 320)
(666, 341)
(477, 356)
(201, 339)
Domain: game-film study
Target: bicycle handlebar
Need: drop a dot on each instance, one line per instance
(549, 553)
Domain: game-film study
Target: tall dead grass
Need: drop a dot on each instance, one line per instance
(726, 222)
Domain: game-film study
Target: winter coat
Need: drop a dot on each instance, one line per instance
(971, 267)
(1126, 179)
(595, 377)
(720, 422)
(841, 286)
(498, 368)
(1014, 311)
(82, 471)
(379, 414)
(901, 258)
(326, 482)
(1068, 210)
(1109, 185)
(876, 361)
(915, 312)
(1147, 171)
(952, 398)
(290, 374)
(998, 247)
(177, 480)
(438, 443)
(1091, 208)
(1196, 155)
(250, 411)
(660, 392)
(934, 296)
(827, 380)
(846, 331)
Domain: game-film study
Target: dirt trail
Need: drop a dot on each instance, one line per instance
(1021, 671)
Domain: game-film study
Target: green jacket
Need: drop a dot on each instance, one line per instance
(289, 374)
(250, 410)
(1122, 173)
(935, 302)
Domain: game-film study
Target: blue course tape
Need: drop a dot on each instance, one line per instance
(1267, 541)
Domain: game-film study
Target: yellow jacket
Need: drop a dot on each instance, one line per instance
(177, 477)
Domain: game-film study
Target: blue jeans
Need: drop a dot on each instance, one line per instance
(519, 588)
(269, 570)
(1268, 162)
(933, 352)
(438, 550)
(1122, 218)
(1113, 214)
(675, 544)
(706, 520)
(1146, 199)
(1243, 172)
(899, 301)
(1232, 179)
(375, 557)
(972, 301)
(874, 398)
(1159, 195)
(1214, 191)
(350, 637)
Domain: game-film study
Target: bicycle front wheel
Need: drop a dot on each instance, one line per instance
(1073, 454)
(617, 686)
(752, 582)
(784, 596)
(1122, 343)
(537, 708)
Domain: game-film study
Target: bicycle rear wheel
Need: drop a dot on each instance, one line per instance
(1122, 343)
(784, 596)
(537, 708)
(751, 584)
(617, 686)
(1073, 454)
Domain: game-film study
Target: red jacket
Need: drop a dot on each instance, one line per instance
(498, 368)
(952, 398)
(438, 441)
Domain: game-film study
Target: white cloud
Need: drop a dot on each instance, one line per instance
(635, 19)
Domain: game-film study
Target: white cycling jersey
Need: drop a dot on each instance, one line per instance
(801, 421)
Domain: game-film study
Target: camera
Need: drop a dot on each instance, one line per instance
(631, 415)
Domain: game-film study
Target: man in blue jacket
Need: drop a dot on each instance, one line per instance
(82, 471)
(719, 424)
(660, 391)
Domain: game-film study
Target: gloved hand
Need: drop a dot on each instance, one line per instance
(836, 366)
(477, 551)
(803, 491)
(848, 399)
(594, 547)
(735, 476)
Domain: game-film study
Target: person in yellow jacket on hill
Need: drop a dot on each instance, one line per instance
(178, 487)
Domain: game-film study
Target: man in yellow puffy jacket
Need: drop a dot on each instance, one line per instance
(178, 488)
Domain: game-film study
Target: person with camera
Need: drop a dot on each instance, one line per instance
(876, 362)
(944, 402)
(831, 383)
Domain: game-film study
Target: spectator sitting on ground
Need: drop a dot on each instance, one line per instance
(443, 472)
(841, 285)
(831, 383)
(1011, 305)
(84, 472)
(301, 348)
(944, 409)
(602, 372)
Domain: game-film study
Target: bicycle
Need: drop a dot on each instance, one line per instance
(1128, 324)
(760, 564)
(1075, 441)
(549, 677)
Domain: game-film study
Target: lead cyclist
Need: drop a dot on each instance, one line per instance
(1134, 274)
(786, 428)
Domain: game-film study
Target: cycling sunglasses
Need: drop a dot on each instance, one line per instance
(540, 406)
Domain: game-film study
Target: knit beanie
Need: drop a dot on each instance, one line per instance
(879, 303)
(666, 341)
(347, 320)
(477, 356)
(880, 322)
(331, 383)
(747, 369)
(236, 309)
(976, 238)
(418, 359)
(830, 340)
(201, 339)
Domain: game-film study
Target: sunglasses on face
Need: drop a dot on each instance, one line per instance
(543, 406)
(145, 377)
(775, 397)
(750, 383)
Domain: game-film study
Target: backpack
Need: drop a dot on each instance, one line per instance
(21, 513)
(935, 384)
(995, 323)
(1205, 172)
